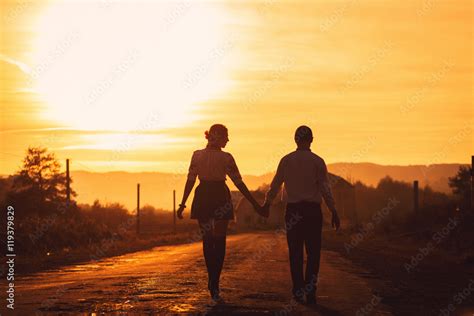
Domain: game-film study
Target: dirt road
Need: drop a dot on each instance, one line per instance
(172, 279)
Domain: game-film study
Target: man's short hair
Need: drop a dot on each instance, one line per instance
(303, 134)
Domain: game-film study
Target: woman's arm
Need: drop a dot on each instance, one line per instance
(188, 187)
(233, 172)
(245, 191)
(187, 190)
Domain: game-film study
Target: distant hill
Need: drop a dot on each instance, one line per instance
(157, 187)
(436, 176)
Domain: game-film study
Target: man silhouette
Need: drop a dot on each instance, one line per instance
(304, 175)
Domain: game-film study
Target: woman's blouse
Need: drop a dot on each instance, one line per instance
(211, 164)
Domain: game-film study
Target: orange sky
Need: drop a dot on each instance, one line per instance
(130, 85)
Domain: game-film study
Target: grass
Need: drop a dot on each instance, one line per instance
(415, 282)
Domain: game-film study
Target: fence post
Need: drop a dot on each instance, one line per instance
(415, 196)
(174, 211)
(68, 185)
(138, 208)
(472, 184)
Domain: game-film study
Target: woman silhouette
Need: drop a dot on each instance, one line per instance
(212, 204)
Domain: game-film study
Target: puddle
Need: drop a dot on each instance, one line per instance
(264, 296)
(182, 308)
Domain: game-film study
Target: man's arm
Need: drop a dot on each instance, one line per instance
(275, 185)
(327, 195)
(326, 188)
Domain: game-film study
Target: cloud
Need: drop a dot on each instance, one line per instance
(22, 66)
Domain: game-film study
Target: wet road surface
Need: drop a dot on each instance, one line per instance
(172, 279)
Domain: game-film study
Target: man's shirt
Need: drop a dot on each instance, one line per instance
(305, 177)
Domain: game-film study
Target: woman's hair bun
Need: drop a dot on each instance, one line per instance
(216, 130)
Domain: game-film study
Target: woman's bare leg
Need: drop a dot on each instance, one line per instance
(220, 227)
(220, 233)
(206, 229)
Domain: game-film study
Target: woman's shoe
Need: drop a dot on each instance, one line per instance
(298, 299)
(215, 296)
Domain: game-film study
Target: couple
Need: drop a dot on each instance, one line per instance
(306, 183)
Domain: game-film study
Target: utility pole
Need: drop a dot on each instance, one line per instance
(354, 205)
(415, 196)
(68, 185)
(472, 184)
(138, 208)
(174, 211)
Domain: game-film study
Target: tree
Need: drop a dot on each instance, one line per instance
(461, 186)
(39, 183)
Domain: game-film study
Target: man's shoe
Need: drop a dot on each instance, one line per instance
(212, 284)
(311, 300)
(298, 299)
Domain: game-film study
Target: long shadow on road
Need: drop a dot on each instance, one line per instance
(226, 309)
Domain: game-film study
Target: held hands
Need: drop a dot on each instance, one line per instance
(335, 221)
(264, 210)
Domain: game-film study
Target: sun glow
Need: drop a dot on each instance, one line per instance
(120, 65)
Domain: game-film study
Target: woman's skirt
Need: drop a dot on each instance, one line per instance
(212, 200)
